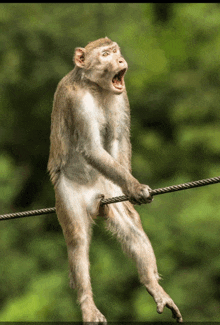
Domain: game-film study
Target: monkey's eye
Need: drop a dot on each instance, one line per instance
(114, 50)
(105, 53)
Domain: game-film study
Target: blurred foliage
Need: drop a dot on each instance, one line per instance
(173, 86)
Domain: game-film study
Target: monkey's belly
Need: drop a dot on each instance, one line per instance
(87, 177)
(81, 173)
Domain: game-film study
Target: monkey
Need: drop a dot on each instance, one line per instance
(89, 159)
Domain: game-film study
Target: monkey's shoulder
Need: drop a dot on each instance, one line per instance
(88, 101)
(66, 85)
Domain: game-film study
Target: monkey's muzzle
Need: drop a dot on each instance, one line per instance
(118, 79)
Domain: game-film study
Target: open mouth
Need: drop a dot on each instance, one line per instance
(118, 79)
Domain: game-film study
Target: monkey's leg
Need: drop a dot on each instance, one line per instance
(76, 225)
(125, 222)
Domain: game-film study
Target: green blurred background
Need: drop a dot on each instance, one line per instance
(173, 81)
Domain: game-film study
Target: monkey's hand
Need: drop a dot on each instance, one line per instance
(139, 193)
(95, 208)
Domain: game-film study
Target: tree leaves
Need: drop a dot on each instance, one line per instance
(173, 86)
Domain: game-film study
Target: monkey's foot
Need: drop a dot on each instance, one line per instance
(162, 299)
(90, 313)
(94, 208)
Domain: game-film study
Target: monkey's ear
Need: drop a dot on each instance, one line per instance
(79, 57)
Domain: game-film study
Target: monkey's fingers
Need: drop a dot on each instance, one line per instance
(146, 196)
(141, 199)
(134, 201)
(149, 199)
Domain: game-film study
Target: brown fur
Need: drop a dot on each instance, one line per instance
(98, 43)
(90, 157)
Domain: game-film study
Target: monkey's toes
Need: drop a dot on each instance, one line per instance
(171, 305)
(94, 316)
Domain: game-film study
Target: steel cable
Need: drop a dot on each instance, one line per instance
(158, 191)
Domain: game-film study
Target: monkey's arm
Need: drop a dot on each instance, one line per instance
(125, 152)
(100, 159)
(88, 143)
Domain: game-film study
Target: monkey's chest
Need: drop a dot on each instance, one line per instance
(111, 134)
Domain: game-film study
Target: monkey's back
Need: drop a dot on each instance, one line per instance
(61, 127)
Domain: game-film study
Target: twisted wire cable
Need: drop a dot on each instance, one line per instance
(27, 213)
(158, 191)
(167, 189)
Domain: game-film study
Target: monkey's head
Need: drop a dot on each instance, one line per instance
(101, 62)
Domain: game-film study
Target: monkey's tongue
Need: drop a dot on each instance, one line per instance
(118, 79)
(117, 82)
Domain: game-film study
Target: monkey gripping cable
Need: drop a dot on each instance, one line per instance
(116, 199)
